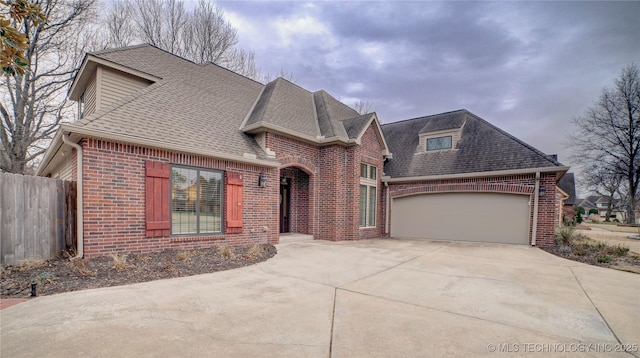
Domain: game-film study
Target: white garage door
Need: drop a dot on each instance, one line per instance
(485, 217)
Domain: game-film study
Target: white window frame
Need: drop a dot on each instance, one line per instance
(369, 182)
(426, 143)
(81, 106)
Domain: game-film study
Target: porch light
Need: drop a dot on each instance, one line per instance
(542, 192)
(262, 181)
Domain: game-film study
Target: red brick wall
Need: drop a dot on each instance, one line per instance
(370, 152)
(547, 211)
(114, 200)
(298, 199)
(296, 156)
(333, 185)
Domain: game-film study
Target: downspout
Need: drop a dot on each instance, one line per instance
(536, 196)
(386, 212)
(79, 201)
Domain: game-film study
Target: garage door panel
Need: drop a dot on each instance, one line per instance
(483, 217)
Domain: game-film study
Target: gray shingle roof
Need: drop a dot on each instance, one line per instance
(330, 114)
(286, 105)
(196, 106)
(568, 185)
(205, 107)
(355, 126)
(482, 148)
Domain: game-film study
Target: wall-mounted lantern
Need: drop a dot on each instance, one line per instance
(542, 191)
(262, 180)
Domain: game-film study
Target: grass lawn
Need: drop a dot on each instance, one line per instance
(613, 227)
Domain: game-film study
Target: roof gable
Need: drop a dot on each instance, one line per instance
(198, 106)
(285, 105)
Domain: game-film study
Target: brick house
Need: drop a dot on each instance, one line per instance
(172, 154)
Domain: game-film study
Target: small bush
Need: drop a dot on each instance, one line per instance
(43, 278)
(254, 252)
(603, 258)
(140, 257)
(119, 262)
(616, 250)
(564, 235)
(226, 251)
(184, 255)
(579, 251)
(594, 244)
(81, 266)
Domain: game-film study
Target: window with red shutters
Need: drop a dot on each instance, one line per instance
(157, 214)
(233, 212)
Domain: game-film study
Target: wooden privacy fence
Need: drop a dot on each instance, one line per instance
(37, 217)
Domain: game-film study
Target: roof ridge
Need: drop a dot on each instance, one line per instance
(519, 141)
(325, 106)
(209, 63)
(337, 100)
(118, 49)
(422, 117)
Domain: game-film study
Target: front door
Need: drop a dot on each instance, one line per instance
(285, 193)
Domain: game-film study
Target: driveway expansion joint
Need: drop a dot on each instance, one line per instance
(551, 335)
(594, 306)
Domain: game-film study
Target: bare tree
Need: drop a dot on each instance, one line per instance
(268, 77)
(364, 107)
(201, 35)
(602, 180)
(608, 134)
(119, 24)
(33, 104)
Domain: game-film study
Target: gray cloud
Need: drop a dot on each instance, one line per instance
(527, 67)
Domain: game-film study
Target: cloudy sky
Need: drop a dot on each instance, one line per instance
(527, 67)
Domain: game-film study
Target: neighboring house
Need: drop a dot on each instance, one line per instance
(601, 202)
(180, 155)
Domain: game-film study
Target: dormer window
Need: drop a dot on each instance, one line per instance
(81, 106)
(439, 143)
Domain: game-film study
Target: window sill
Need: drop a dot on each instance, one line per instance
(197, 238)
(368, 227)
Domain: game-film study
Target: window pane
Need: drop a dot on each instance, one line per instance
(183, 201)
(372, 206)
(373, 172)
(439, 143)
(363, 170)
(210, 202)
(363, 205)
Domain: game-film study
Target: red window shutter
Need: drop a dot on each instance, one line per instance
(157, 199)
(233, 212)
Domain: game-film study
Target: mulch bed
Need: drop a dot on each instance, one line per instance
(583, 249)
(64, 275)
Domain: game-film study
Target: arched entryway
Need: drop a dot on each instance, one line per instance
(296, 188)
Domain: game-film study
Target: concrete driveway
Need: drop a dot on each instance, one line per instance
(374, 298)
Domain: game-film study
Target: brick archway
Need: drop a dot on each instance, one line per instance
(300, 176)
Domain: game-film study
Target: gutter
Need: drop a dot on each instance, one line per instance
(476, 174)
(387, 214)
(79, 197)
(163, 146)
(536, 197)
